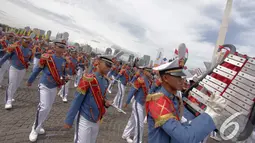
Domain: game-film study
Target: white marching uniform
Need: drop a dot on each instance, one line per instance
(47, 98)
(118, 100)
(15, 78)
(63, 92)
(78, 76)
(5, 67)
(85, 131)
(135, 123)
(111, 84)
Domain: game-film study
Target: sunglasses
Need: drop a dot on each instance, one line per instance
(60, 45)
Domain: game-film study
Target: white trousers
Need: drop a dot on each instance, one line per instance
(47, 98)
(111, 83)
(64, 90)
(85, 131)
(15, 78)
(3, 69)
(35, 62)
(78, 77)
(118, 100)
(135, 123)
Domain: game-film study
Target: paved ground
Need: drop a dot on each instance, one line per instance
(15, 124)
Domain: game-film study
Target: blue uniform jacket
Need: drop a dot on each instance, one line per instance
(81, 63)
(70, 70)
(85, 104)
(112, 73)
(38, 53)
(172, 131)
(2, 52)
(137, 91)
(121, 76)
(14, 60)
(154, 88)
(46, 77)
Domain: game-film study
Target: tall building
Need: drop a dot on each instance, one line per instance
(146, 59)
(108, 51)
(151, 63)
(141, 62)
(116, 51)
(131, 58)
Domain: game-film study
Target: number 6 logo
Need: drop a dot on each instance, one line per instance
(226, 124)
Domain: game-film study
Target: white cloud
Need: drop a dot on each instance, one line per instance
(141, 26)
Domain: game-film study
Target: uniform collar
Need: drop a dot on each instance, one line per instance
(166, 93)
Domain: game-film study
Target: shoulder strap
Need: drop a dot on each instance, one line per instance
(21, 56)
(143, 85)
(96, 91)
(53, 70)
(84, 85)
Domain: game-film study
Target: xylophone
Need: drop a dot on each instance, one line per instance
(234, 79)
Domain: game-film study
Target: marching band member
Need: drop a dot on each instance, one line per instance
(82, 60)
(4, 43)
(53, 67)
(90, 102)
(163, 110)
(139, 90)
(39, 50)
(19, 55)
(112, 74)
(71, 72)
(122, 79)
(156, 85)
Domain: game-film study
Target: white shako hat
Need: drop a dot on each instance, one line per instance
(106, 58)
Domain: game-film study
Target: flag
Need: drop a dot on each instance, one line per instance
(159, 57)
(164, 60)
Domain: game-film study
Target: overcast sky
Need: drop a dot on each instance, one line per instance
(140, 25)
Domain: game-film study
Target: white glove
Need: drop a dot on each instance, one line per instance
(216, 104)
(183, 120)
(145, 120)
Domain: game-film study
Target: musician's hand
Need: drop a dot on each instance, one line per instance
(66, 126)
(125, 105)
(14, 45)
(108, 103)
(217, 103)
(29, 84)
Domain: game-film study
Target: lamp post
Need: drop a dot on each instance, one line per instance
(223, 30)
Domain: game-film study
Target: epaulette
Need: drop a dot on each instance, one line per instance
(153, 97)
(45, 56)
(88, 77)
(85, 83)
(140, 80)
